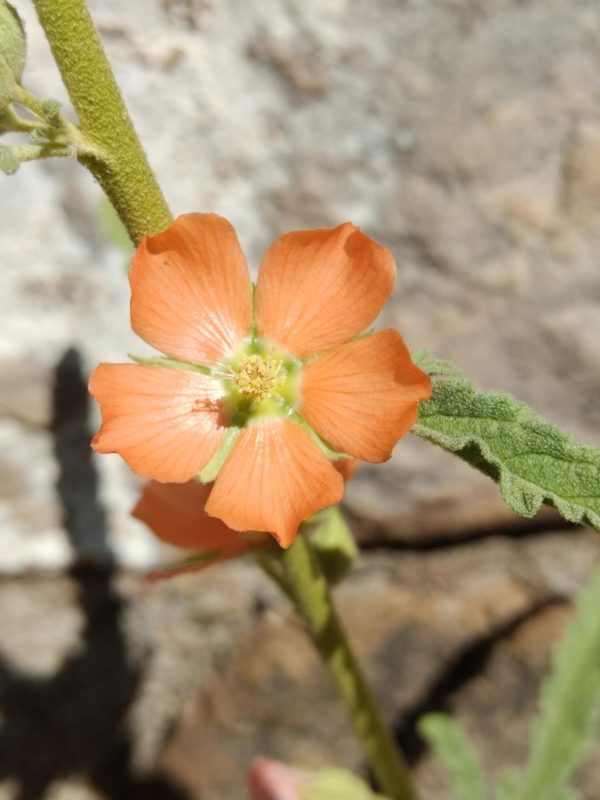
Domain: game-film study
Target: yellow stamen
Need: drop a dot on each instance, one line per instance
(257, 377)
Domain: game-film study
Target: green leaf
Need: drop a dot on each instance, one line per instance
(534, 462)
(570, 704)
(334, 545)
(508, 783)
(7, 85)
(454, 750)
(13, 49)
(337, 784)
(9, 163)
(435, 367)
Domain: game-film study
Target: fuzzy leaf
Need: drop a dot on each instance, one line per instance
(534, 462)
(435, 367)
(570, 704)
(13, 46)
(454, 750)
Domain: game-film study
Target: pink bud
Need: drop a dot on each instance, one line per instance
(273, 780)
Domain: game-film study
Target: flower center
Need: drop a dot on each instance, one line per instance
(257, 377)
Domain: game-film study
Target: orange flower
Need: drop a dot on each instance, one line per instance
(259, 392)
(175, 513)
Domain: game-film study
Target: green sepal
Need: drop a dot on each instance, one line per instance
(333, 783)
(532, 461)
(334, 545)
(172, 363)
(199, 560)
(13, 47)
(214, 466)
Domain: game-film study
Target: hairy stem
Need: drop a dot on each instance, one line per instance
(114, 155)
(307, 587)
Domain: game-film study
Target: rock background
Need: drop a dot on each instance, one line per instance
(466, 137)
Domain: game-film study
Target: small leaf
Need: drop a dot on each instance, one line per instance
(9, 163)
(337, 784)
(570, 704)
(334, 545)
(454, 750)
(13, 47)
(534, 462)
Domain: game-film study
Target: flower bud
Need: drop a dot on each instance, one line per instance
(12, 40)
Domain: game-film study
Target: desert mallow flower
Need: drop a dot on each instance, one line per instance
(261, 389)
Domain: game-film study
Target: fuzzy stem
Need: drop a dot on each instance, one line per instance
(307, 586)
(114, 157)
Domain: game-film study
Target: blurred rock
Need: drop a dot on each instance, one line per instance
(113, 687)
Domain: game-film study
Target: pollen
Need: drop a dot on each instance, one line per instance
(257, 377)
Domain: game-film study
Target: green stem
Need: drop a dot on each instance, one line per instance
(308, 588)
(117, 162)
(31, 152)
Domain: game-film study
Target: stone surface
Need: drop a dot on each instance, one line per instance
(111, 687)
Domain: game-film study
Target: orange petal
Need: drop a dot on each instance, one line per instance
(175, 513)
(346, 467)
(319, 288)
(164, 422)
(275, 478)
(190, 290)
(363, 396)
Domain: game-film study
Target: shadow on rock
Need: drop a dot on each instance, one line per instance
(73, 724)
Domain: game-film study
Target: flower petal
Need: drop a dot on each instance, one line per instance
(275, 478)
(319, 288)
(190, 290)
(164, 422)
(346, 467)
(363, 396)
(175, 513)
